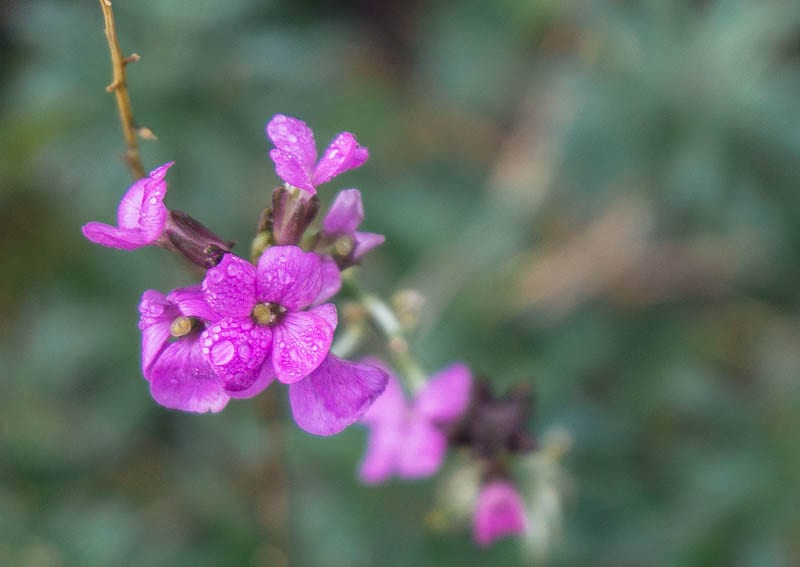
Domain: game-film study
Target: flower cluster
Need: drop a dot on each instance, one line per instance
(249, 324)
(410, 440)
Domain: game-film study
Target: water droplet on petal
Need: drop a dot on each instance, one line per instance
(244, 351)
(221, 353)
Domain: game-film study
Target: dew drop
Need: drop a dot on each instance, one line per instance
(244, 351)
(222, 352)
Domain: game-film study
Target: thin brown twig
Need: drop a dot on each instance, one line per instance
(119, 87)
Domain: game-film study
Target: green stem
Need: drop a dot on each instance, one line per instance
(386, 321)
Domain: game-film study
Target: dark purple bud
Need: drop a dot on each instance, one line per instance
(293, 211)
(193, 240)
(493, 425)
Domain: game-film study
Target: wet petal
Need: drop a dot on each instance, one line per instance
(500, 512)
(335, 395)
(328, 312)
(113, 237)
(236, 349)
(142, 206)
(181, 379)
(331, 280)
(302, 340)
(342, 154)
(230, 287)
(191, 302)
(265, 378)
(288, 276)
(345, 214)
(446, 395)
(295, 150)
(422, 451)
(156, 316)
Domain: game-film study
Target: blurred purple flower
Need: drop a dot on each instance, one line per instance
(179, 376)
(500, 512)
(406, 439)
(263, 330)
(141, 215)
(295, 153)
(340, 224)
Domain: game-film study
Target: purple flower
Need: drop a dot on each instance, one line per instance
(263, 329)
(179, 376)
(406, 439)
(340, 224)
(499, 512)
(335, 395)
(295, 153)
(141, 215)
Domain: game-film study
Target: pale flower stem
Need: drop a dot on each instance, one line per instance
(119, 86)
(387, 322)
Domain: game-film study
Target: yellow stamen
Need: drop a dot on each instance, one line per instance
(180, 327)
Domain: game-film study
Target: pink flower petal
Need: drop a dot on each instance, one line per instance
(236, 349)
(345, 214)
(288, 276)
(331, 280)
(295, 151)
(265, 378)
(328, 312)
(500, 512)
(422, 450)
(342, 154)
(156, 316)
(230, 287)
(113, 237)
(191, 302)
(302, 340)
(142, 207)
(390, 407)
(380, 459)
(181, 379)
(446, 395)
(335, 395)
(364, 242)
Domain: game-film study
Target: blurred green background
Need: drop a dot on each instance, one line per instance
(600, 198)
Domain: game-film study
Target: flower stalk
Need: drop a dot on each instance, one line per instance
(387, 322)
(119, 86)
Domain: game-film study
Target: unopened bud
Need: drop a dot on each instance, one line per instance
(495, 425)
(408, 304)
(193, 240)
(293, 211)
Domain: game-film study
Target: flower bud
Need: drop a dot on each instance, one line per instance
(493, 425)
(293, 211)
(190, 238)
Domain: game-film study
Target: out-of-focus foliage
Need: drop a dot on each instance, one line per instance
(599, 198)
